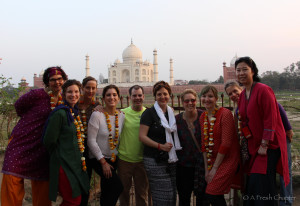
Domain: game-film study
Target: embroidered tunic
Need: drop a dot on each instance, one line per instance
(60, 140)
(225, 142)
(264, 123)
(25, 156)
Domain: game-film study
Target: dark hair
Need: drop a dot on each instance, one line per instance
(161, 84)
(47, 71)
(111, 86)
(232, 83)
(207, 88)
(136, 87)
(251, 64)
(87, 79)
(69, 83)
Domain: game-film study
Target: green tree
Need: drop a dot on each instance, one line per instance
(198, 81)
(8, 116)
(219, 80)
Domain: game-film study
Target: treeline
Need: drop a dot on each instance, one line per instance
(219, 80)
(287, 80)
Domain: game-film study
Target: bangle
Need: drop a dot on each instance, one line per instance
(103, 163)
(158, 146)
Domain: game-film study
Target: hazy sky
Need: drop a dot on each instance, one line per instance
(198, 35)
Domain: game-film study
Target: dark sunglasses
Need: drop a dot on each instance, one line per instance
(189, 100)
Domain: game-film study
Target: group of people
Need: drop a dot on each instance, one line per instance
(64, 133)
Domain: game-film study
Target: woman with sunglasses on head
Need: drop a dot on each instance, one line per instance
(263, 128)
(190, 166)
(104, 131)
(220, 147)
(25, 156)
(64, 139)
(158, 132)
(86, 105)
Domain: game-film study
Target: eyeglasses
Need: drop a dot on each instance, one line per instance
(189, 100)
(60, 79)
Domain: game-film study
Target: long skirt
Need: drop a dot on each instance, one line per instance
(261, 188)
(162, 181)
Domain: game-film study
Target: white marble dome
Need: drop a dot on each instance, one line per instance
(132, 54)
(232, 62)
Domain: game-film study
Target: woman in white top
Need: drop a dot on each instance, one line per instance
(103, 139)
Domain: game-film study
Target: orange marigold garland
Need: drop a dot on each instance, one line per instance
(84, 121)
(81, 100)
(59, 101)
(113, 142)
(80, 138)
(83, 113)
(209, 137)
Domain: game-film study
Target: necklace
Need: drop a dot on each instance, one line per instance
(83, 113)
(209, 137)
(81, 101)
(189, 122)
(52, 104)
(80, 138)
(113, 142)
(84, 118)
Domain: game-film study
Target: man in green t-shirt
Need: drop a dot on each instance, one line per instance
(130, 154)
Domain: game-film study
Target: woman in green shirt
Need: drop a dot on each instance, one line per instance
(63, 138)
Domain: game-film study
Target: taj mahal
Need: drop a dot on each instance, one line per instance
(133, 69)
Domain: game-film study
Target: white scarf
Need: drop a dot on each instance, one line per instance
(169, 128)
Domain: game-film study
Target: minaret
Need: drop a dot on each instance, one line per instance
(171, 72)
(155, 70)
(87, 67)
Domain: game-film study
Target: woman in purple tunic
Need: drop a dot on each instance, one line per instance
(25, 156)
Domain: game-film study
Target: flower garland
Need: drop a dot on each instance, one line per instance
(84, 122)
(52, 104)
(81, 100)
(80, 137)
(113, 142)
(240, 126)
(83, 114)
(209, 137)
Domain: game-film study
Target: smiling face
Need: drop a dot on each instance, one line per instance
(89, 90)
(137, 98)
(244, 74)
(209, 100)
(72, 95)
(111, 98)
(234, 93)
(55, 83)
(162, 97)
(189, 102)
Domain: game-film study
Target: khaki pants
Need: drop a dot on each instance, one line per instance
(127, 171)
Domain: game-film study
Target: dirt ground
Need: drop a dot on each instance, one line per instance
(27, 198)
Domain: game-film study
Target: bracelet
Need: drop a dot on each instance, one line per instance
(103, 163)
(158, 146)
(215, 167)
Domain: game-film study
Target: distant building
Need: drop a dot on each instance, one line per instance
(180, 82)
(38, 80)
(229, 72)
(133, 70)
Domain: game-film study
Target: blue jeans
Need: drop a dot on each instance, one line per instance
(286, 193)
